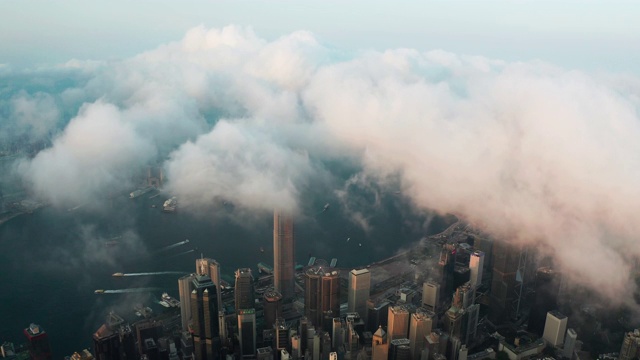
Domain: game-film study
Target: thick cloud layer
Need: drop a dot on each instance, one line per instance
(528, 152)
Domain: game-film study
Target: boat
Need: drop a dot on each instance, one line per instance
(164, 303)
(99, 291)
(326, 207)
(360, 244)
(261, 249)
(111, 243)
(118, 274)
(139, 192)
(171, 302)
(170, 205)
(264, 268)
(348, 239)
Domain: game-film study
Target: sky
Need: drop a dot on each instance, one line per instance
(521, 117)
(594, 35)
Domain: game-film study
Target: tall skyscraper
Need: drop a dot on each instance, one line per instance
(247, 333)
(359, 287)
(283, 255)
(476, 264)
(114, 340)
(503, 282)
(431, 295)
(398, 323)
(322, 295)
(630, 345)
(272, 307)
(377, 314)
(554, 328)
(244, 294)
(419, 326)
(37, 343)
(185, 284)
(547, 288)
(399, 349)
(205, 318)
(281, 334)
(569, 343)
(211, 268)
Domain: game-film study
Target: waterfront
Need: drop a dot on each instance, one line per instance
(54, 259)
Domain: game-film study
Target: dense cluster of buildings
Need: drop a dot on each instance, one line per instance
(457, 296)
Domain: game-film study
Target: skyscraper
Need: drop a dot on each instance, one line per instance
(322, 295)
(419, 326)
(272, 307)
(283, 254)
(211, 268)
(37, 342)
(398, 323)
(569, 343)
(114, 340)
(359, 287)
(547, 288)
(185, 284)
(630, 345)
(554, 328)
(205, 318)
(431, 295)
(244, 294)
(247, 332)
(503, 282)
(476, 264)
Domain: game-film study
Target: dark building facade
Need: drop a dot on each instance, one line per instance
(547, 289)
(322, 296)
(204, 313)
(244, 294)
(37, 343)
(284, 252)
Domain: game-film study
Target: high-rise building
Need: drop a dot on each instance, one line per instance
(211, 268)
(337, 333)
(445, 271)
(420, 325)
(244, 294)
(630, 345)
(205, 318)
(114, 340)
(37, 343)
(431, 295)
(272, 303)
(379, 345)
(554, 328)
(503, 283)
(398, 323)
(283, 254)
(282, 334)
(570, 343)
(185, 284)
(377, 314)
(359, 287)
(322, 295)
(476, 264)
(247, 333)
(264, 353)
(399, 349)
(547, 288)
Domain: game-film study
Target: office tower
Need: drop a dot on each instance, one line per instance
(244, 294)
(476, 264)
(272, 303)
(114, 340)
(184, 287)
(554, 328)
(281, 334)
(398, 326)
(322, 296)
(569, 343)
(326, 346)
(377, 314)
(316, 346)
(147, 329)
(296, 347)
(303, 329)
(264, 353)
(453, 322)
(337, 333)
(547, 288)
(205, 318)
(283, 254)
(37, 343)
(399, 349)
(463, 297)
(445, 271)
(431, 295)
(419, 326)
(186, 345)
(472, 316)
(211, 268)
(630, 345)
(503, 283)
(247, 333)
(379, 345)
(463, 353)
(359, 287)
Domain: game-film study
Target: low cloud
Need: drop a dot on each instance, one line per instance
(528, 152)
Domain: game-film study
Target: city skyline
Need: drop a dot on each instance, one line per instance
(368, 127)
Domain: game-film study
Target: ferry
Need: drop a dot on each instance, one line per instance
(99, 291)
(118, 274)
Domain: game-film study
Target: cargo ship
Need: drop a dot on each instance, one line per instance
(140, 192)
